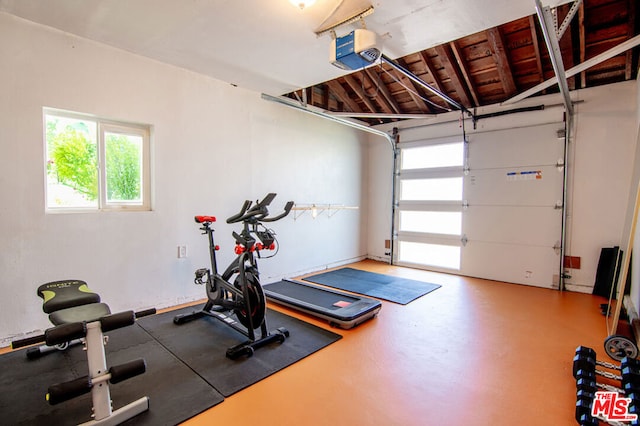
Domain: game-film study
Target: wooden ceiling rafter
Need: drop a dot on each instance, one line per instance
(358, 89)
(341, 94)
(385, 98)
(583, 45)
(501, 64)
(457, 81)
(412, 90)
(536, 47)
(499, 53)
(429, 68)
(631, 28)
(464, 71)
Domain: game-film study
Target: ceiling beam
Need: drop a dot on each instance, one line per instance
(310, 95)
(453, 72)
(359, 90)
(631, 20)
(338, 91)
(536, 47)
(428, 66)
(499, 53)
(386, 101)
(464, 69)
(325, 96)
(412, 90)
(583, 44)
(407, 73)
(424, 59)
(614, 51)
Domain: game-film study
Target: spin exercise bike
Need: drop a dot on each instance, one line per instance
(238, 290)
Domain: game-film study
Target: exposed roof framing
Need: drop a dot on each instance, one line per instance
(491, 66)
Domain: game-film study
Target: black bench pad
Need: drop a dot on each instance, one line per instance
(65, 294)
(88, 313)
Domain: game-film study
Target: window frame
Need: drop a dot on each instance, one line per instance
(103, 126)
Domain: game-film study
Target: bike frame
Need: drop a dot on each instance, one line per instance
(241, 295)
(217, 284)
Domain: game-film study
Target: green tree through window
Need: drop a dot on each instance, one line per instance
(124, 166)
(77, 174)
(75, 162)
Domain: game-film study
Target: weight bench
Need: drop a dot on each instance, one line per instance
(78, 316)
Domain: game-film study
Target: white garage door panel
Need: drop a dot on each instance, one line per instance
(529, 265)
(514, 225)
(525, 146)
(510, 223)
(514, 186)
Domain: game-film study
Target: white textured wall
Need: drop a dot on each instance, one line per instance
(633, 192)
(213, 145)
(603, 153)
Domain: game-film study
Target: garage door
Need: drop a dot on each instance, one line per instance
(490, 207)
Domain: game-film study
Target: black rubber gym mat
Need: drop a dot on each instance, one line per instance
(386, 287)
(202, 345)
(175, 392)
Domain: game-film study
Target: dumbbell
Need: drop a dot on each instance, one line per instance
(586, 382)
(584, 401)
(630, 370)
(585, 357)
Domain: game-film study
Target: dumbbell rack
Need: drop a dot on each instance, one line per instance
(623, 380)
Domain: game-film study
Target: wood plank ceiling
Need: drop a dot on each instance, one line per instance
(488, 67)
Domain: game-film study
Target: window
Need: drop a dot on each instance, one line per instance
(431, 189)
(433, 222)
(430, 198)
(432, 156)
(95, 164)
(438, 255)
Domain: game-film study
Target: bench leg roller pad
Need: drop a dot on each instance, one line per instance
(125, 371)
(61, 392)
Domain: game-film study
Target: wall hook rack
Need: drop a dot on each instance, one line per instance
(317, 209)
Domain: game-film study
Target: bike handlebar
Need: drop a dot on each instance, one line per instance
(287, 209)
(243, 210)
(259, 211)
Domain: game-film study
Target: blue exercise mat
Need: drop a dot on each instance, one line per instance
(386, 287)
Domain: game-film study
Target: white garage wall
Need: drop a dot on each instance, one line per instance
(601, 160)
(605, 142)
(213, 145)
(635, 181)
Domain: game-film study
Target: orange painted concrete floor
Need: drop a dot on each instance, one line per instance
(473, 352)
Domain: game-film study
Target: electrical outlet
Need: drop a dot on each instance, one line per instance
(182, 251)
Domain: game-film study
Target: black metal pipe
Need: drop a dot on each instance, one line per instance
(425, 85)
(511, 111)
